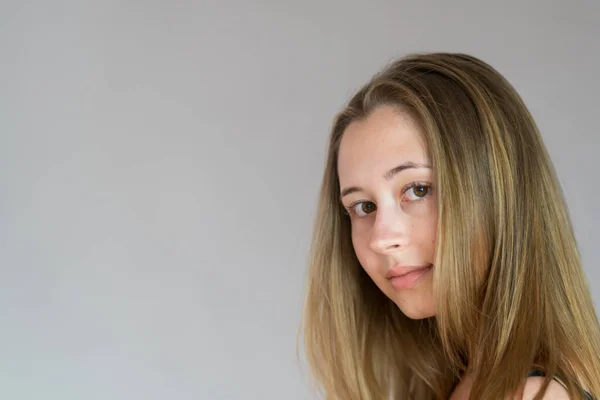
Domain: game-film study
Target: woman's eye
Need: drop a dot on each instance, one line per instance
(363, 208)
(419, 191)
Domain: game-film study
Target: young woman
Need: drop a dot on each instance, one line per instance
(443, 262)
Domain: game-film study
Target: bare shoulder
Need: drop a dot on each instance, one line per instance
(555, 390)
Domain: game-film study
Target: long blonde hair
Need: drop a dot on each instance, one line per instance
(509, 282)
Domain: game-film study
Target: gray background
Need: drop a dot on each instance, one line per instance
(159, 166)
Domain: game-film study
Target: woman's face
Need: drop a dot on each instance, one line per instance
(386, 186)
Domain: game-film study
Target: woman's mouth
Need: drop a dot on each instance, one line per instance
(409, 279)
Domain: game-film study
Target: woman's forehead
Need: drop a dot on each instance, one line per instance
(380, 142)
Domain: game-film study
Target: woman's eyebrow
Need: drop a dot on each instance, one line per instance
(387, 176)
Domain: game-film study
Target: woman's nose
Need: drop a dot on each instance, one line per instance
(389, 232)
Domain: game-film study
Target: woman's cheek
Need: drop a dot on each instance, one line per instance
(361, 249)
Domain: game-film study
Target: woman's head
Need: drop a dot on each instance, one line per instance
(467, 135)
(436, 165)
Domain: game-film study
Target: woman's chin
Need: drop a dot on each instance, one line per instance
(416, 308)
(418, 303)
(417, 314)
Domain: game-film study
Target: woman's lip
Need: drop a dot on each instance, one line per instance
(410, 279)
(401, 270)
